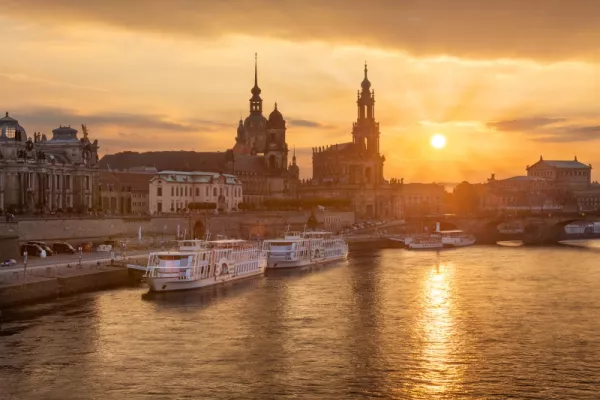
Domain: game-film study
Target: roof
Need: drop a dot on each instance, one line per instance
(137, 182)
(563, 164)
(523, 178)
(183, 161)
(193, 177)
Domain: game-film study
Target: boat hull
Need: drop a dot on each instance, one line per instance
(417, 247)
(171, 285)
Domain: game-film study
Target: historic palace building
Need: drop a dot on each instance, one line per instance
(354, 170)
(172, 191)
(44, 175)
(259, 156)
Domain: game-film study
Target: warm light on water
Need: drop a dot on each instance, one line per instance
(474, 323)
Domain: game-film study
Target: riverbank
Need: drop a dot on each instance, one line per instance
(52, 282)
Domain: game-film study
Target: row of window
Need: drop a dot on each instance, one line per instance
(182, 191)
(560, 173)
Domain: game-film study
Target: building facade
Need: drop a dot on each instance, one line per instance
(124, 193)
(421, 199)
(173, 191)
(41, 175)
(354, 170)
(561, 173)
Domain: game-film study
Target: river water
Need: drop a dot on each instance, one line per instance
(476, 323)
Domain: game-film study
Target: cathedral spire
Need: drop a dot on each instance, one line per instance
(256, 100)
(255, 69)
(294, 156)
(366, 84)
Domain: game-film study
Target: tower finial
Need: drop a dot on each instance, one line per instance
(365, 69)
(276, 105)
(255, 69)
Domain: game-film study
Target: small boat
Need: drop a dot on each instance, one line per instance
(201, 263)
(298, 249)
(456, 238)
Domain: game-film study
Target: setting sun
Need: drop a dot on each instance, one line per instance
(438, 141)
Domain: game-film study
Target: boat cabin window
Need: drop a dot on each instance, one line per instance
(169, 257)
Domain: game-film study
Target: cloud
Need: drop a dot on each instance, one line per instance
(53, 117)
(24, 78)
(537, 29)
(550, 130)
(570, 134)
(307, 124)
(524, 124)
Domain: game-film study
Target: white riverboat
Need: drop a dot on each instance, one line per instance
(200, 263)
(432, 242)
(298, 249)
(455, 238)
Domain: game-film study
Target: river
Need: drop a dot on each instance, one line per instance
(485, 322)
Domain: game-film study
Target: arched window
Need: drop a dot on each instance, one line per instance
(215, 192)
(272, 162)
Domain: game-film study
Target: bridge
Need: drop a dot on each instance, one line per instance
(531, 229)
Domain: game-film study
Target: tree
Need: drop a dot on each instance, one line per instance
(312, 222)
(466, 198)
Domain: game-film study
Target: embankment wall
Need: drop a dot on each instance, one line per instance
(47, 288)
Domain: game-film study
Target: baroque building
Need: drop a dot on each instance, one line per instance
(354, 170)
(259, 157)
(173, 191)
(38, 174)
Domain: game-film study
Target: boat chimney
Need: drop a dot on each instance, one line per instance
(437, 226)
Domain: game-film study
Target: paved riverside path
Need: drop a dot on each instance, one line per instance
(60, 260)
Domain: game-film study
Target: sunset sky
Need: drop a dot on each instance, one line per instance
(503, 81)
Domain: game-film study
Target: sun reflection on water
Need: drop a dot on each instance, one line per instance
(437, 373)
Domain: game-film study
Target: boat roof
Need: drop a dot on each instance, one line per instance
(452, 231)
(226, 241)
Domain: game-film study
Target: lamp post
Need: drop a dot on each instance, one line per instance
(24, 263)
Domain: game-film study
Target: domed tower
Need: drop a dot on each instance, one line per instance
(11, 130)
(255, 123)
(276, 147)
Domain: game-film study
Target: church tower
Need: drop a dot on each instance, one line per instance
(255, 123)
(276, 148)
(365, 131)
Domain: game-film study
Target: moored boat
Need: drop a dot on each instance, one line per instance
(456, 238)
(298, 249)
(200, 263)
(425, 243)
